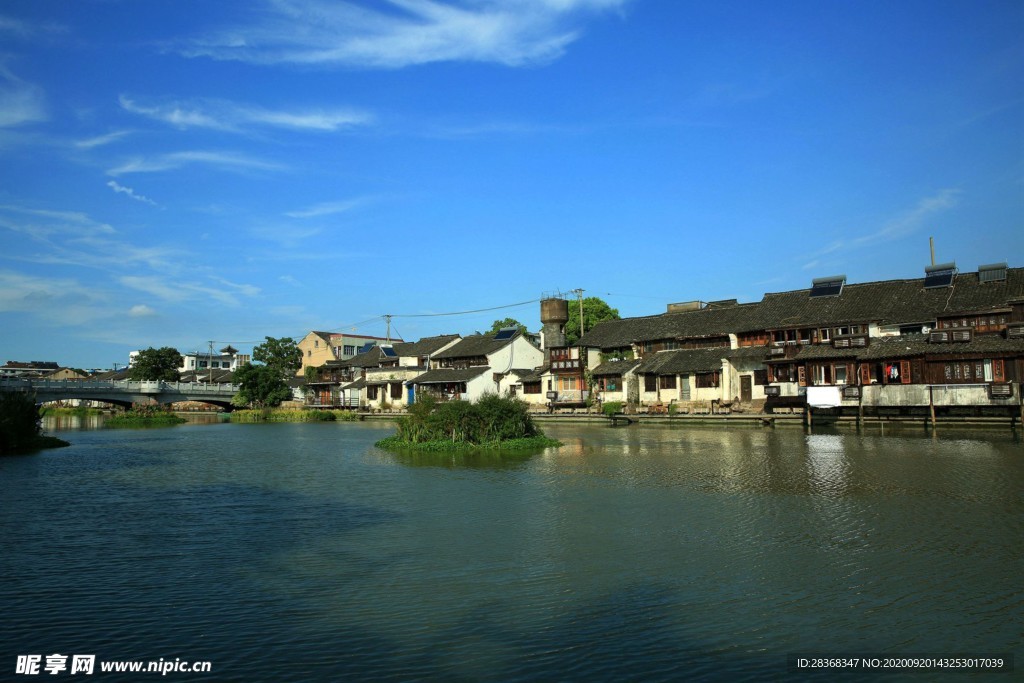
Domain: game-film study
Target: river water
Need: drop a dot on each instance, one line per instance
(299, 552)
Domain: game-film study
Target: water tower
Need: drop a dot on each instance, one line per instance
(554, 314)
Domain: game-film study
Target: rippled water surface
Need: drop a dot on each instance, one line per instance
(299, 552)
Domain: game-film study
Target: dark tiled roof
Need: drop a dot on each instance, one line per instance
(918, 345)
(477, 345)
(528, 375)
(424, 347)
(444, 375)
(358, 384)
(367, 359)
(680, 361)
(615, 367)
(889, 302)
(204, 376)
(707, 322)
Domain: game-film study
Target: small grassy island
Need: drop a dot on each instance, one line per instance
(492, 423)
(21, 430)
(145, 416)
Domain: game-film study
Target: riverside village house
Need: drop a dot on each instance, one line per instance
(946, 341)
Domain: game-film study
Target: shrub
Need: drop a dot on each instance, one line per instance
(612, 408)
(491, 420)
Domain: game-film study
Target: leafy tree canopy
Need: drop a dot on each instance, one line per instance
(262, 386)
(595, 310)
(508, 322)
(156, 364)
(283, 355)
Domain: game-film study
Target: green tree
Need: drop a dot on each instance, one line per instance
(262, 386)
(595, 310)
(508, 322)
(156, 364)
(283, 355)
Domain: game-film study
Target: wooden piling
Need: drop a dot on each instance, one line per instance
(931, 405)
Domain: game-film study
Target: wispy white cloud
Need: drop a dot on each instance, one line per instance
(901, 225)
(174, 290)
(403, 32)
(25, 29)
(101, 140)
(289, 280)
(116, 187)
(327, 208)
(175, 160)
(20, 102)
(237, 118)
(141, 311)
(57, 301)
(44, 222)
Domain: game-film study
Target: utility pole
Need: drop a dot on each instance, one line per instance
(388, 319)
(579, 295)
(209, 362)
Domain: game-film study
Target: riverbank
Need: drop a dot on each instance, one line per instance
(760, 420)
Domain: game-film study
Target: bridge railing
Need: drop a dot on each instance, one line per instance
(126, 386)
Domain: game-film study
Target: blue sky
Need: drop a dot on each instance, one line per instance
(181, 171)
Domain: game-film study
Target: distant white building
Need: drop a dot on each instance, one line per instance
(227, 358)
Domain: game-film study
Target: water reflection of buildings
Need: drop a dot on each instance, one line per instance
(827, 467)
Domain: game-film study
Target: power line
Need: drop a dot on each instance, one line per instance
(478, 310)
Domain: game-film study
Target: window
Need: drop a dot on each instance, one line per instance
(350, 350)
(865, 374)
(202, 363)
(531, 387)
(897, 372)
(650, 382)
(707, 380)
(760, 377)
(805, 337)
(667, 381)
(396, 390)
(825, 334)
(568, 383)
(371, 392)
(840, 374)
(316, 343)
(611, 383)
(784, 373)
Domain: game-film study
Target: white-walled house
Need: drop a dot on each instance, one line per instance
(479, 364)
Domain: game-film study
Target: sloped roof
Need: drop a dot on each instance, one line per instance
(367, 359)
(889, 302)
(918, 345)
(615, 367)
(444, 375)
(425, 346)
(532, 375)
(706, 322)
(477, 345)
(682, 360)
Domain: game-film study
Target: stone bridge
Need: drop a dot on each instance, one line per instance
(122, 392)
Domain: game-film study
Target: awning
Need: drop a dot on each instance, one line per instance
(824, 397)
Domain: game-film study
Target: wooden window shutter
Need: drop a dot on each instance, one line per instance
(998, 370)
(865, 374)
(801, 374)
(904, 372)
